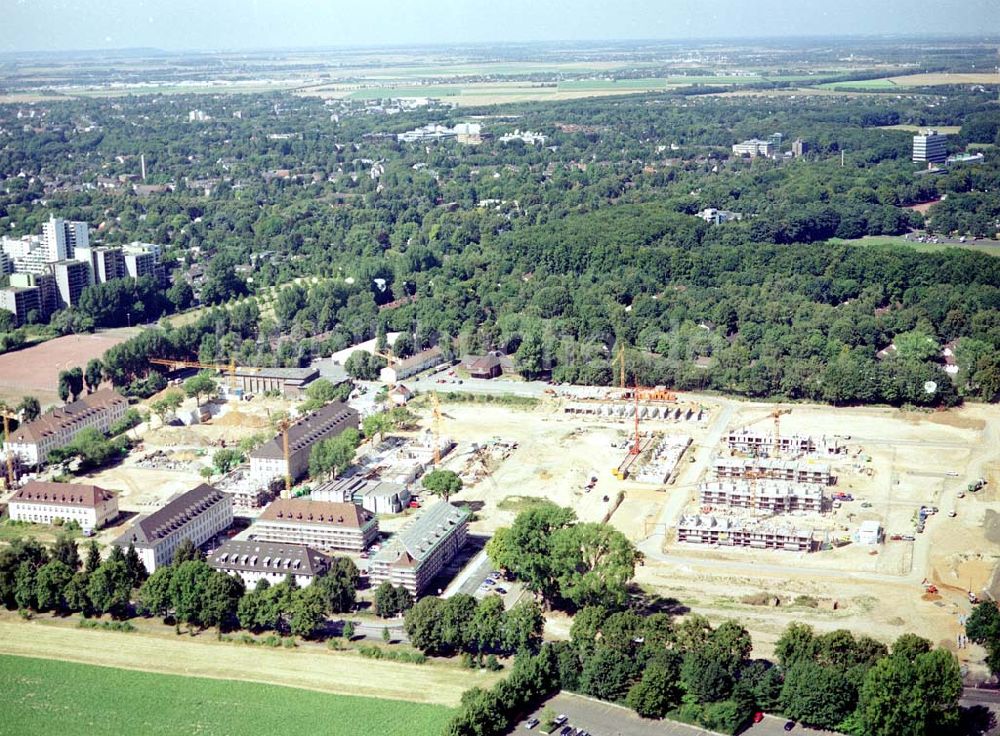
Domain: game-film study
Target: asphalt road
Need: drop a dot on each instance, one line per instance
(607, 719)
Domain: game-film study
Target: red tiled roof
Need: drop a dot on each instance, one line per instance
(63, 494)
(327, 513)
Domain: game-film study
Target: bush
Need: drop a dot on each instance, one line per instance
(371, 651)
(806, 601)
(124, 626)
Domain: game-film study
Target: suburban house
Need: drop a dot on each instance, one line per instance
(42, 503)
(412, 366)
(267, 462)
(322, 524)
(421, 549)
(198, 515)
(255, 561)
(32, 442)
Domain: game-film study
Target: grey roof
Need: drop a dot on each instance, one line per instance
(254, 556)
(358, 487)
(332, 418)
(178, 511)
(423, 533)
(287, 374)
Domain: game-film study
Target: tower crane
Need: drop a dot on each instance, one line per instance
(7, 416)
(230, 368)
(436, 428)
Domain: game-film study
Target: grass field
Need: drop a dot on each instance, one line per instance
(48, 697)
(943, 129)
(991, 248)
(157, 649)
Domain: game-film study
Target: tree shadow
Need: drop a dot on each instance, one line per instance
(976, 720)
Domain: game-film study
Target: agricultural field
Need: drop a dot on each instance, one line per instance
(46, 697)
(916, 80)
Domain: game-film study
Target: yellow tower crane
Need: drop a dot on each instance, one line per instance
(436, 428)
(7, 416)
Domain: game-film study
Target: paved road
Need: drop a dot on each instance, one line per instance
(606, 719)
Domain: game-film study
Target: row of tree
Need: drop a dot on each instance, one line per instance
(461, 624)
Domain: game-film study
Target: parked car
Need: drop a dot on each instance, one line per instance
(790, 725)
(758, 717)
(531, 723)
(560, 719)
(501, 591)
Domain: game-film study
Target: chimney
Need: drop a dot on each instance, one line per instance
(142, 163)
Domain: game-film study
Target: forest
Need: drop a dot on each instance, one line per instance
(558, 254)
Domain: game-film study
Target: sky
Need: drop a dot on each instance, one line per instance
(61, 25)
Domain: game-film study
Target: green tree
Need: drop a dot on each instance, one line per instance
(187, 551)
(166, 405)
(444, 483)
(818, 696)
(423, 625)
(522, 627)
(109, 588)
(53, 579)
(65, 550)
(983, 627)
(154, 595)
(657, 692)
(331, 456)
(404, 345)
(29, 408)
(705, 676)
(93, 374)
(363, 366)
(911, 697)
(374, 426)
(796, 644)
(525, 548)
(93, 557)
(594, 563)
(348, 630)
(75, 594)
(307, 614)
(609, 674)
(200, 385)
(226, 459)
(221, 596)
(339, 585)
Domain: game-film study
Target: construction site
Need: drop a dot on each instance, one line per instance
(873, 519)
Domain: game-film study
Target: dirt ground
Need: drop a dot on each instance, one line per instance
(35, 371)
(894, 463)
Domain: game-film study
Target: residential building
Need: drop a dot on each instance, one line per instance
(799, 148)
(32, 442)
(753, 148)
(733, 532)
(377, 496)
(106, 263)
(426, 134)
(716, 217)
(48, 292)
(62, 237)
(774, 468)
(20, 300)
(775, 496)
(411, 366)
(529, 137)
(776, 139)
(930, 147)
(400, 395)
(143, 259)
(268, 461)
(321, 524)
(42, 503)
(419, 551)
(72, 277)
(197, 515)
(27, 254)
(6, 264)
(759, 442)
(254, 561)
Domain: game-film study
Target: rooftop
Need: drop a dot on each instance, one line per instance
(176, 513)
(419, 359)
(418, 538)
(308, 430)
(317, 513)
(55, 419)
(253, 556)
(63, 494)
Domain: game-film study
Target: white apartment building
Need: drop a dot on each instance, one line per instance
(198, 515)
(32, 442)
(42, 503)
(321, 524)
(62, 237)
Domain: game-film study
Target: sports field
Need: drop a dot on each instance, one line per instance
(50, 697)
(989, 247)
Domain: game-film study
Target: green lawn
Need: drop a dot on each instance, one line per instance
(48, 697)
(991, 248)
(860, 84)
